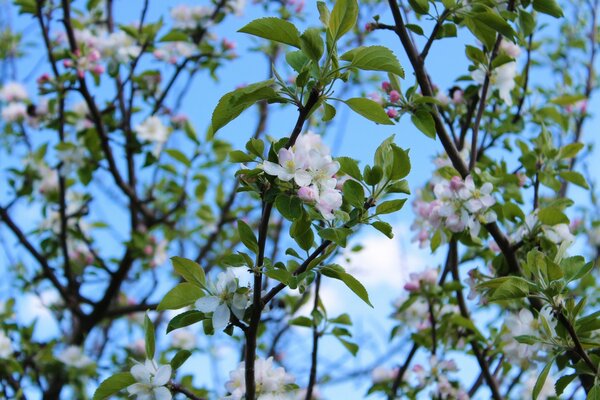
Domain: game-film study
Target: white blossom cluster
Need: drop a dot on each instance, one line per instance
(17, 107)
(502, 78)
(438, 377)
(74, 357)
(525, 324)
(309, 164)
(557, 234)
(458, 206)
(153, 130)
(271, 382)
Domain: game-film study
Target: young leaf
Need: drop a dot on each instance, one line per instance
(312, 44)
(424, 122)
(354, 193)
(247, 236)
(275, 29)
(549, 7)
(374, 58)
(539, 384)
(150, 337)
(369, 109)
(185, 319)
(390, 206)
(189, 270)
(113, 385)
(234, 103)
(343, 18)
(182, 295)
(180, 357)
(384, 228)
(336, 235)
(350, 281)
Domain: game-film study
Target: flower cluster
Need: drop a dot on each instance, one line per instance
(309, 164)
(458, 206)
(150, 381)
(173, 51)
(502, 78)
(438, 377)
(153, 130)
(74, 357)
(557, 234)
(271, 381)
(223, 295)
(15, 96)
(6, 350)
(525, 324)
(422, 279)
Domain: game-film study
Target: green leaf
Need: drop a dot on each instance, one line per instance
(570, 150)
(350, 281)
(150, 337)
(351, 347)
(539, 384)
(182, 295)
(349, 166)
(390, 206)
(562, 383)
(328, 112)
(424, 122)
(238, 156)
(567, 100)
(336, 235)
(369, 109)
(311, 44)
(175, 36)
(419, 6)
(507, 288)
(301, 231)
(289, 206)
(374, 58)
(400, 167)
(575, 178)
(496, 22)
(552, 216)
(549, 7)
(384, 228)
(113, 385)
(247, 236)
(185, 319)
(180, 357)
(354, 193)
(302, 321)
(275, 29)
(234, 103)
(343, 18)
(189, 270)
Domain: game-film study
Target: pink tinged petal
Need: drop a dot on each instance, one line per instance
(207, 304)
(141, 373)
(220, 317)
(162, 393)
(284, 156)
(162, 375)
(332, 167)
(487, 188)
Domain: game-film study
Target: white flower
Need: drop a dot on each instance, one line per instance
(153, 130)
(173, 51)
(270, 381)
(477, 199)
(510, 48)
(151, 381)
(328, 202)
(559, 233)
(502, 78)
(382, 374)
(121, 47)
(237, 6)
(73, 356)
(72, 157)
(14, 112)
(13, 91)
(183, 339)
(6, 349)
(49, 181)
(222, 296)
(520, 324)
(289, 167)
(160, 254)
(186, 17)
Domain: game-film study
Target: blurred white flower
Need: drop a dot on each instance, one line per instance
(151, 380)
(73, 356)
(13, 91)
(6, 349)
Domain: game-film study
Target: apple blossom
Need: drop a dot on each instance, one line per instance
(6, 349)
(73, 356)
(270, 381)
(151, 380)
(14, 112)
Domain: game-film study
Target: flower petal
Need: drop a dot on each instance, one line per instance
(207, 304)
(162, 393)
(220, 317)
(162, 375)
(141, 373)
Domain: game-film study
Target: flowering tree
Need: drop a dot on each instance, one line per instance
(104, 179)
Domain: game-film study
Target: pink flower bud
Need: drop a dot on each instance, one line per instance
(392, 113)
(386, 86)
(98, 69)
(148, 250)
(412, 286)
(307, 193)
(43, 78)
(394, 96)
(68, 63)
(457, 96)
(456, 183)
